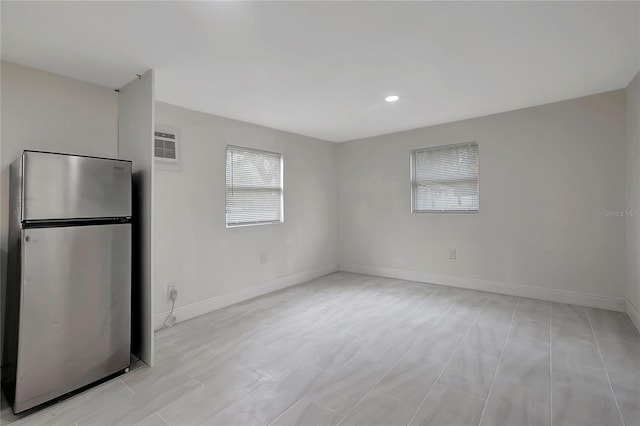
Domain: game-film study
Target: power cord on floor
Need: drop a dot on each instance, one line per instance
(171, 320)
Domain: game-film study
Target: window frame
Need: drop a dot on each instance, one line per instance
(256, 223)
(412, 182)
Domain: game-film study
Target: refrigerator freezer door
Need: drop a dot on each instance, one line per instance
(58, 186)
(75, 309)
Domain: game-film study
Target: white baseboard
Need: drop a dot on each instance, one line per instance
(552, 295)
(634, 314)
(193, 310)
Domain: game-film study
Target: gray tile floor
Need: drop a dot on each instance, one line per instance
(352, 349)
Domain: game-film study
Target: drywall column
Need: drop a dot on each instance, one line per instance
(135, 143)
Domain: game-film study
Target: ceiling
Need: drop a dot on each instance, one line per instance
(322, 69)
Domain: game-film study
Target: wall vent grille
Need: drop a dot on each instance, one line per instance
(166, 150)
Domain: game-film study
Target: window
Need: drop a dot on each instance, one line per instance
(445, 179)
(254, 187)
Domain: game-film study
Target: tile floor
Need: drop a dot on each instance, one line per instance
(352, 349)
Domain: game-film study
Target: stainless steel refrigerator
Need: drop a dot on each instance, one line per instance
(68, 292)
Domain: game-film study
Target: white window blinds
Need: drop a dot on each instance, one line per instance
(254, 186)
(445, 179)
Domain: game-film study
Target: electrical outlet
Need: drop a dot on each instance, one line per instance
(263, 258)
(452, 254)
(170, 288)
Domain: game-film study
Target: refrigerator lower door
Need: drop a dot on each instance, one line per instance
(75, 309)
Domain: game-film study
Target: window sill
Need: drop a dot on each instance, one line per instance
(245, 225)
(444, 211)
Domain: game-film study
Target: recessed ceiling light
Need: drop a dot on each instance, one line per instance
(392, 98)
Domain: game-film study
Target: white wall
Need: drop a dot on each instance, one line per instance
(547, 174)
(633, 199)
(45, 111)
(209, 262)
